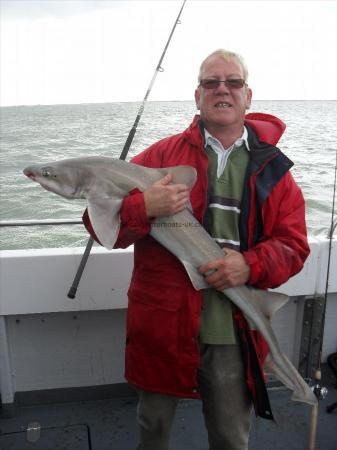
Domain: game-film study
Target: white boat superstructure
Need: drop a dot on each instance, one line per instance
(50, 342)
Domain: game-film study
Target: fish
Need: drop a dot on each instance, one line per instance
(103, 182)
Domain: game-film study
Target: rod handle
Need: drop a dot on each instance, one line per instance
(72, 291)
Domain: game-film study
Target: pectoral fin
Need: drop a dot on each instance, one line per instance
(104, 217)
(267, 302)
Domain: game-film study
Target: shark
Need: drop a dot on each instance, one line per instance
(103, 182)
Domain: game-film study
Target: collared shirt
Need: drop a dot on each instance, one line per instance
(223, 153)
(226, 171)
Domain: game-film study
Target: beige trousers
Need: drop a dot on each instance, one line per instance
(225, 399)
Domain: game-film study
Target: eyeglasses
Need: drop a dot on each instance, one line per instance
(231, 83)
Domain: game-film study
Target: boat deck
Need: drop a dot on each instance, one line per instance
(110, 425)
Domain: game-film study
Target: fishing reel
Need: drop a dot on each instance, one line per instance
(320, 391)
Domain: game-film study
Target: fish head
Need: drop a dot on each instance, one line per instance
(61, 177)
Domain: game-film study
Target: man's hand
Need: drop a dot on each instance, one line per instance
(231, 271)
(164, 199)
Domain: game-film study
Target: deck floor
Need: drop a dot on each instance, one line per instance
(112, 426)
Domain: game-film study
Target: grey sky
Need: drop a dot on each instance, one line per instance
(77, 51)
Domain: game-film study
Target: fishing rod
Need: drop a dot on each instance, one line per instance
(132, 132)
(319, 390)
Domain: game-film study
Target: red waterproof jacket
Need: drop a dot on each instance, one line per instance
(162, 352)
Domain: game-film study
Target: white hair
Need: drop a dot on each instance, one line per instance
(228, 56)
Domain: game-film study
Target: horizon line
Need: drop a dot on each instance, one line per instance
(157, 101)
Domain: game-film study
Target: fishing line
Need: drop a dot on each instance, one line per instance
(319, 390)
(330, 236)
(72, 291)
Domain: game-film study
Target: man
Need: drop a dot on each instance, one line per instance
(184, 343)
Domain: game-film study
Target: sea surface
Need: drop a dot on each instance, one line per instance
(31, 134)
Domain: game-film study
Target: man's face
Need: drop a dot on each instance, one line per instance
(222, 106)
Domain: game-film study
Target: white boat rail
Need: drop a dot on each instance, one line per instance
(48, 341)
(42, 222)
(38, 222)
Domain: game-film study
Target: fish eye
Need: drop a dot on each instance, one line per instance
(47, 172)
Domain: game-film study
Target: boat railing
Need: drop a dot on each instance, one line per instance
(38, 222)
(34, 286)
(49, 222)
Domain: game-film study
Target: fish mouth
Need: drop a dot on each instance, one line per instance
(29, 174)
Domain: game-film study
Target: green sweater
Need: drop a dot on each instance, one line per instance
(222, 222)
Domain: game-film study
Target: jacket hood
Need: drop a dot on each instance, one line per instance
(268, 128)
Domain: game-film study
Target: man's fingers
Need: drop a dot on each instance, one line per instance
(230, 271)
(214, 265)
(165, 180)
(163, 198)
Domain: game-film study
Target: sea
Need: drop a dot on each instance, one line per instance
(34, 134)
